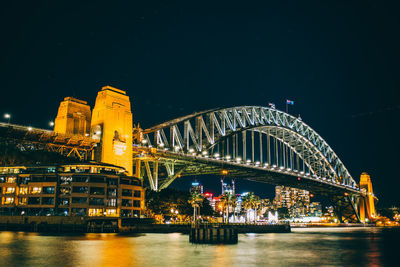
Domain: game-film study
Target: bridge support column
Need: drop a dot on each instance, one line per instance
(367, 204)
(345, 208)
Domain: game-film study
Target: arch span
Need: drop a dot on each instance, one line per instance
(252, 135)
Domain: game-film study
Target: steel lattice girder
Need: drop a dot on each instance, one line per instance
(203, 130)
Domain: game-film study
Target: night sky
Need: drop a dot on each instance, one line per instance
(338, 61)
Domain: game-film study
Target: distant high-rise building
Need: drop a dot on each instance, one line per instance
(297, 201)
(315, 209)
(226, 188)
(196, 187)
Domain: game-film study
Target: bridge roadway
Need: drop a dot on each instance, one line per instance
(187, 165)
(31, 138)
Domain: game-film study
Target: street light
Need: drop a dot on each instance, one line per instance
(51, 123)
(8, 117)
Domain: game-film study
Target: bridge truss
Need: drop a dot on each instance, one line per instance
(249, 142)
(27, 138)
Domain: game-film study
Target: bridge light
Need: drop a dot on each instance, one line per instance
(216, 155)
(257, 163)
(51, 124)
(7, 116)
(274, 166)
(224, 172)
(228, 157)
(345, 193)
(298, 178)
(176, 148)
(191, 150)
(161, 145)
(281, 167)
(144, 141)
(29, 128)
(238, 159)
(204, 152)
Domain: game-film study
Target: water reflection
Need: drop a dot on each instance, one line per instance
(332, 247)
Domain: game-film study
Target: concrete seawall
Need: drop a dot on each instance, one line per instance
(63, 224)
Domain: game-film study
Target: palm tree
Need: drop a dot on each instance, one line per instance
(251, 201)
(228, 200)
(195, 199)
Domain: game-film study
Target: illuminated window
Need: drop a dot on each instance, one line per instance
(96, 212)
(9, 190)
(11, 179)
(8, 200)
(23, 201)
(23, 190)
(36, 190)
(112, 202)
(111, 212)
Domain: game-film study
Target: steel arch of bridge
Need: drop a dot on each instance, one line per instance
(285, 144)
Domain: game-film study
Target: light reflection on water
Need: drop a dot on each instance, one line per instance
(310, 247)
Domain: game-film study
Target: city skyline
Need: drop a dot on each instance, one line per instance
(342, 84)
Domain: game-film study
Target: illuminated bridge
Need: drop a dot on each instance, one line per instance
(247, 142)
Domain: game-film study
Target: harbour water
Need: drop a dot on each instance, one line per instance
(302, 247)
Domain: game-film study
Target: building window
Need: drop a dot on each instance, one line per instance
(96, 201)
(96, 179)
(126, 203)
(80, 189)
(126, 213)
(63, 201)
(66, 179)
(11, 179)
(80, 179)
(96, 212)
(47, 201)
(23, 201)
(111, 212)
(65, 190)
(23, 190)
(112, 181)
(79, 200)
(136, 203)
(97, 190)
(112, 192)
(8, 200)
(78, 212)
(137, 193)
(126, 192)
(34, 201)
(48, 190)
(136, 213)
(35, 190)
(112, 202)
(9, 190)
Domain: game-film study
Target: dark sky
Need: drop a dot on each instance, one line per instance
(339, 62)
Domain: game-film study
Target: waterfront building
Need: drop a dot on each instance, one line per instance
(315, 209)
(297, 201)
(196, 187)
(82, 189)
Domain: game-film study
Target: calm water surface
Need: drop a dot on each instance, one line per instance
(302, 247)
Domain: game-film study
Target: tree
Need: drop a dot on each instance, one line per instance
(283, 213)
(228, 200)
(196, 199)
(251, 201)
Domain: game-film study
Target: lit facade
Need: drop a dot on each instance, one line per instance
(297, 201)
(91, 189)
